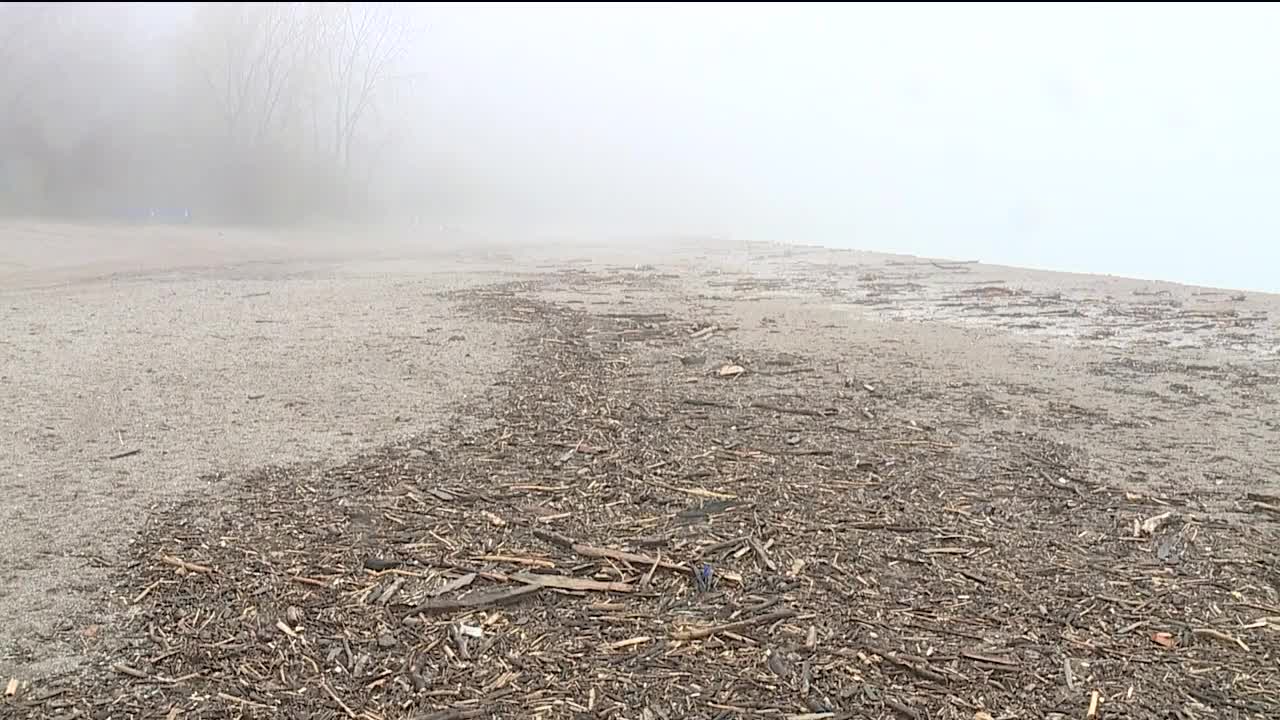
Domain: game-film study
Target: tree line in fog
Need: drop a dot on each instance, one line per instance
(232, 112)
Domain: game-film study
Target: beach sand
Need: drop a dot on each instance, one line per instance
(947, 481)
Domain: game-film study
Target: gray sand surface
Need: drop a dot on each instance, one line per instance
(213, 366)
(252, 350)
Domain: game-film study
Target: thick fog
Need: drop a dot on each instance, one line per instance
(1130, 139)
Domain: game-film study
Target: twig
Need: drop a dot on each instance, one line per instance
(536, 562)
(1218, 635)
(809, 412)
(921, 670)
(391, 591)
(125, 454)
(707, 403)
(553, 537)
(436, 605)
(189, 567)
(146, 591)
(350, 713)
(706, 632)
(454, 585)
(242, 701)
(571, 583)
(124, 669)
(592, 551)
(308, 581)
(901, 708)
(726, 545)
(623, 644)
(976, 657)
(762, 554)
(455, 714)
(640, 317)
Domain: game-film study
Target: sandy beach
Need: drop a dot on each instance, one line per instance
(248, 474)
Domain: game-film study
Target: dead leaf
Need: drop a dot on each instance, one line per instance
(982, 715)
(730, 370)
(1164, 639)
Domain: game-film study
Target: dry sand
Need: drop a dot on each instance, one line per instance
(254, 353)
(208, 361)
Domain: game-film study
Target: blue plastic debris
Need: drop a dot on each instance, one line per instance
(703, 578)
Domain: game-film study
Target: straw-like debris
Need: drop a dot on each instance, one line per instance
(619, 545)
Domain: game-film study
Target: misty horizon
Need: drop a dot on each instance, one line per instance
(1129, 140)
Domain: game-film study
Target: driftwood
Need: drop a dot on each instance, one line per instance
(698, 556)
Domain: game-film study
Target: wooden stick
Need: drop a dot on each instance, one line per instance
(308, 581)
(706, 403)
(571, 583)
(146, 591)
(455, 584)
(623, 644)
(536, 562)
(189, 567)
(901, 708)
(706, 632)
(786, 410)
(350, 713)
(622, 556)
(455, 714)
(592, 551)
(391, 591)
(480, 599)
(242, 701)
(1218, 635)
(989, 659)
(130, 671)
(553, 538)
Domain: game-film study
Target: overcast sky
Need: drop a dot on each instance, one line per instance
(1138, 139)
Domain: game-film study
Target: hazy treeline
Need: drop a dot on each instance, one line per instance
(244, 112)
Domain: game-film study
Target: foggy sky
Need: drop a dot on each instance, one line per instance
(1135, 139)
(1130, 139)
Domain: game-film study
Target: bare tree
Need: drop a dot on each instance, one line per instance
(251, 65)
(61, 93)
(362, 44)
(254, 111)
